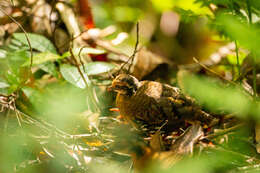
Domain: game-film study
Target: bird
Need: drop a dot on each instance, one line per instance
(154, 103)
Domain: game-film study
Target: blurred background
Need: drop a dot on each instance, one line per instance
(57, 59)
(174, 29)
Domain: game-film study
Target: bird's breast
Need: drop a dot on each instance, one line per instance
(139, 107)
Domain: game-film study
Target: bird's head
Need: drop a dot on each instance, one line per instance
(125, 84)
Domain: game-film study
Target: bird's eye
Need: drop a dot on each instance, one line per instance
(119, 87)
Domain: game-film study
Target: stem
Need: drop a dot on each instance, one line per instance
(224, 131)
(25, 34)
(89, 87)
(253, 56)
(249, 11)
(238, 65)
(254, 76)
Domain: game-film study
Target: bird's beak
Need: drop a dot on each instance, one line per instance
(112, 86)
(109, 89)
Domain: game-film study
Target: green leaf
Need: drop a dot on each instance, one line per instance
(247, 36)
(232, 58)
(71, 74)
(159, 6)
(41, 58)
(2, 53)
(87, 50)
(38, 42)
(16, 59)
(50, 68)
(216, 96)
(65, 54)
(126, 13)
(192, 5)
(95, 68)
(83, 51)
(187, 16)
(4, 85)
(32, 94)
(256, 5)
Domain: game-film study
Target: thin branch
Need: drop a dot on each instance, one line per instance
(27, 38)
(12, 2)
(111, 49)
(53, 3)
(238, 65)
(88, 85)
(213, 72)
(80, 59)
(249, 10)
(134, 53)
(224, 131)
(136, 46)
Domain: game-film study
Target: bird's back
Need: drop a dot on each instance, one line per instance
(146, 103)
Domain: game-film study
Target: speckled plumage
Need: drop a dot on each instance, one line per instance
(153, 102)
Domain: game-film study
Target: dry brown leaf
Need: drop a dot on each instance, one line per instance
(156, 142)
(257, 137)
(145, 62)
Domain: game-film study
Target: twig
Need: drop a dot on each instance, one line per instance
(238, 65)
(109, 48)
(236, 46)
(224, 131)
(25, 33)
(69, 18)
(249, 10)
(136, 46)
(12, 2)
(18, 115)
(213, 72)
(88, 85)
(135, 51)
(48, 127)
(53, 3)
(80, 59)
(6, 120)
(254, 167)
(222, 149)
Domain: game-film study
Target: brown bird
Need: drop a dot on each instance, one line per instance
(154, 103)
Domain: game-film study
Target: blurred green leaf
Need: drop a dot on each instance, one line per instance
(84, 51)
(166, 5)
(256, 5)
(215, 96)
(42, 58)
(4, 85)
(15, 75)
(232, 58)
(247, 36)
(50, 68)
(187, 16)
(32, 94)
(126, 14)
(3, 53)
(59, 102)
(88, 50)
(17, 58)
(72, 75)
(38, 42)
(95, 68)
(189, 5)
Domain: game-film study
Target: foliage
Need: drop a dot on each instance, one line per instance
(55, 108)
